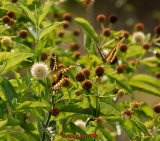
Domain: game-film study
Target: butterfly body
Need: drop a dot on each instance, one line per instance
(57, 73)
(112, 54)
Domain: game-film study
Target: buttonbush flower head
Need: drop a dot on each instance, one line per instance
(12, 22)
(101, 18)
(6, 19)
(87, 72)
(80, 123)
(77, 55)
(66, 82)
(146, 45)
(120, 69)
(74, 46)
(55, 112)
(106, 32)
(66, 24)
(99, 71)
(6, 41)
(124, 66)
(60, 33)
(139, 27)
(157, 74)
(44, 56)
(116, 90)
(11, 14)
(125, 34)
(67, 17)
(76, 32)
(156, 108)
(66, 76)
(23, 33)
(127, 113)
(87, 85)
(78, 92)
(123, 47)
(80, 76)
(138, 37)
(121, 92)
(135, 105)
(88, 3)
(14, 1)
(157, 29)
(39, 70)
(113, 18)
(132, 62)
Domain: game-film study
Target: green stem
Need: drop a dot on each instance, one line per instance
(95, 133)
(97, 97)
(156, 128)
(64, 127)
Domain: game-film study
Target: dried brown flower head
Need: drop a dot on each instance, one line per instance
(11, 14)
(120, 69)
(80, 76)
(99, 71)
(55, 112)
(74, 46)
(157, 74)
(101, 18)
(87, 85)
(139, 26)
(87, 72)
(76, 32)
(106, 32)
(123, 47)
(146, 45)
(67, 17)
(23, 33)
(113, 18)
(127, 113)
(77, 55)
(6, 19)
(66, 82)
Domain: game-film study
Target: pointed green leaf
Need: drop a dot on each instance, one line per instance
(3, 109)
(11, 7)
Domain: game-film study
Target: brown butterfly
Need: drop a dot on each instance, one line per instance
(57, 73)
(112, 54)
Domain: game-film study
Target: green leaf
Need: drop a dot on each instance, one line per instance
(3, 123)
(10, 62)
(147, 79)
(3, 109)
(141, 126)
(48, 29)
(20, 136)
(145, 88)
(43, 12)
(8, 89)
(30, 104)
(6, 56)
(28, 13)
(106, 133)
(11, 7)
(13, 122)
(88, 28)
(109, 89)
(129, 132)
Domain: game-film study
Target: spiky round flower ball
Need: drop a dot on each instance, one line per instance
(135, 105)
(120, 69)
(23, 33)
(78, 92)
(77, 55)
(39, 70)
(66, 76)
(74, 46)
(80, 76)
(99, 71)
(12, 22)
(55, 112)
(124, 66)
(113, 18)
(11, 14)
(80, 123)
(101, 18)
(14, 1)
(61, 33)
(87, 72)
(125, 34)
(121, 92)
(67, 17)
(157, 74)
(146, 45)
(66, 24)
(106, 32)
(116, 90)
(156, 108)
(158, 63)
(6, 41)
(139, 27)
(87, 85)
(138, 37)
(123, 47)
(127, 113)
(88, 3)
(6, 19)
(66, 82)
(132, 62)
(44, 56)
(76, 32)
(157, 29)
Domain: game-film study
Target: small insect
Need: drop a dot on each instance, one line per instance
(57, 73)
(112, 54)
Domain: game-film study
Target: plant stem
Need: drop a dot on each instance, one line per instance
(64, 127)
(95, 133)
(156, 128)
(97, 97)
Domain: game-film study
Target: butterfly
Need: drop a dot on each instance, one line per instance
(57, 73)
(112, 54)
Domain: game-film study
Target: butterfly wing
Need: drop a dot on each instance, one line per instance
(112, 54)
(54, 62)
(102, 55)
(66, 68)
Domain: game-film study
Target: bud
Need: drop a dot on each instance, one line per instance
(87, 72)
(146, 45)
(113, 18)
(23, 33)
(66, 24)
(78, 92)
(6, 19)
(67, 17)
(77, 55)
(120, 69)
(74, 46)
(139, 27)
(99, 71)
(106, 32)
(55, 112)
(101, 18)
(132, 62)
(76, 32)
(135, 105)
(87, 85)
(116, 90)
(44, 56)
(6, 41)
(125, 34)
(123, 47)
(156, 108)
(80, 76)
(60, 33)
(11, 14)
(66, 82)
(121, 92)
